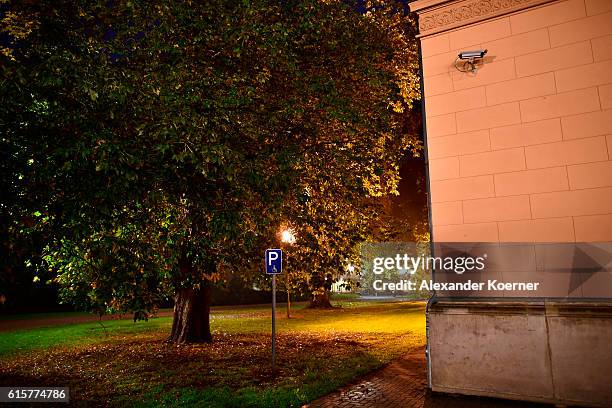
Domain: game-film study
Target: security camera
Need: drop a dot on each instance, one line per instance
(468, 61)
(470, 55)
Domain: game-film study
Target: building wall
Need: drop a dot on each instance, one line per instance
(521, 150)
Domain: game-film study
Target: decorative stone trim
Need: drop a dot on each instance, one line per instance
(550, 307)
(438, 16)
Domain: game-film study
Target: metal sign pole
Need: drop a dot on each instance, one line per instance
(273, 323)
(274, 266)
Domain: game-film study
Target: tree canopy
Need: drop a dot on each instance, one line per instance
(157, 147)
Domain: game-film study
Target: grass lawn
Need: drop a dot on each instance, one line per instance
(42, 315)
(125, 363)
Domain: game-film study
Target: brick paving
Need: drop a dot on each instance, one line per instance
(403, 383)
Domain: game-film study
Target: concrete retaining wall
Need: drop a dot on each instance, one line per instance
(548, 352)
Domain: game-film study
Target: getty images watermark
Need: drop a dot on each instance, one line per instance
(470, 269)
(406, 264)
(559, 270)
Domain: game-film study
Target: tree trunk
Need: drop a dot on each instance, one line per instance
(191, 322)
(288, 304)
(320, 301)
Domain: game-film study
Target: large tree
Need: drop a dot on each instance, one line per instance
(160, 145)
(348, 176)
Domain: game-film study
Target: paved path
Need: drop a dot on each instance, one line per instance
(403, 384)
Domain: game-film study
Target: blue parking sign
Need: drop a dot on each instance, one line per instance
(274, 261)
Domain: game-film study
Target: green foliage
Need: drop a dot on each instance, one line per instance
(163, 143)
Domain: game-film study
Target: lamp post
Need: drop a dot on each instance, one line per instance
(287, 237)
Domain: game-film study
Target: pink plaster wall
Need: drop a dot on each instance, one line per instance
(521, 151)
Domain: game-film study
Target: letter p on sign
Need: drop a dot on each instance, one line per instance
(274, 261)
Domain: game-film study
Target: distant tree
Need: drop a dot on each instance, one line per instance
(160, 145)
(349, 172)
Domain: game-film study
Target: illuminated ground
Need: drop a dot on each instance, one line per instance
(121, 363)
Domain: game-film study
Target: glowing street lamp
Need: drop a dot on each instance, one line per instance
(287, 236)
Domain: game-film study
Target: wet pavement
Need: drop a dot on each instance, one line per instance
(403, 383)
